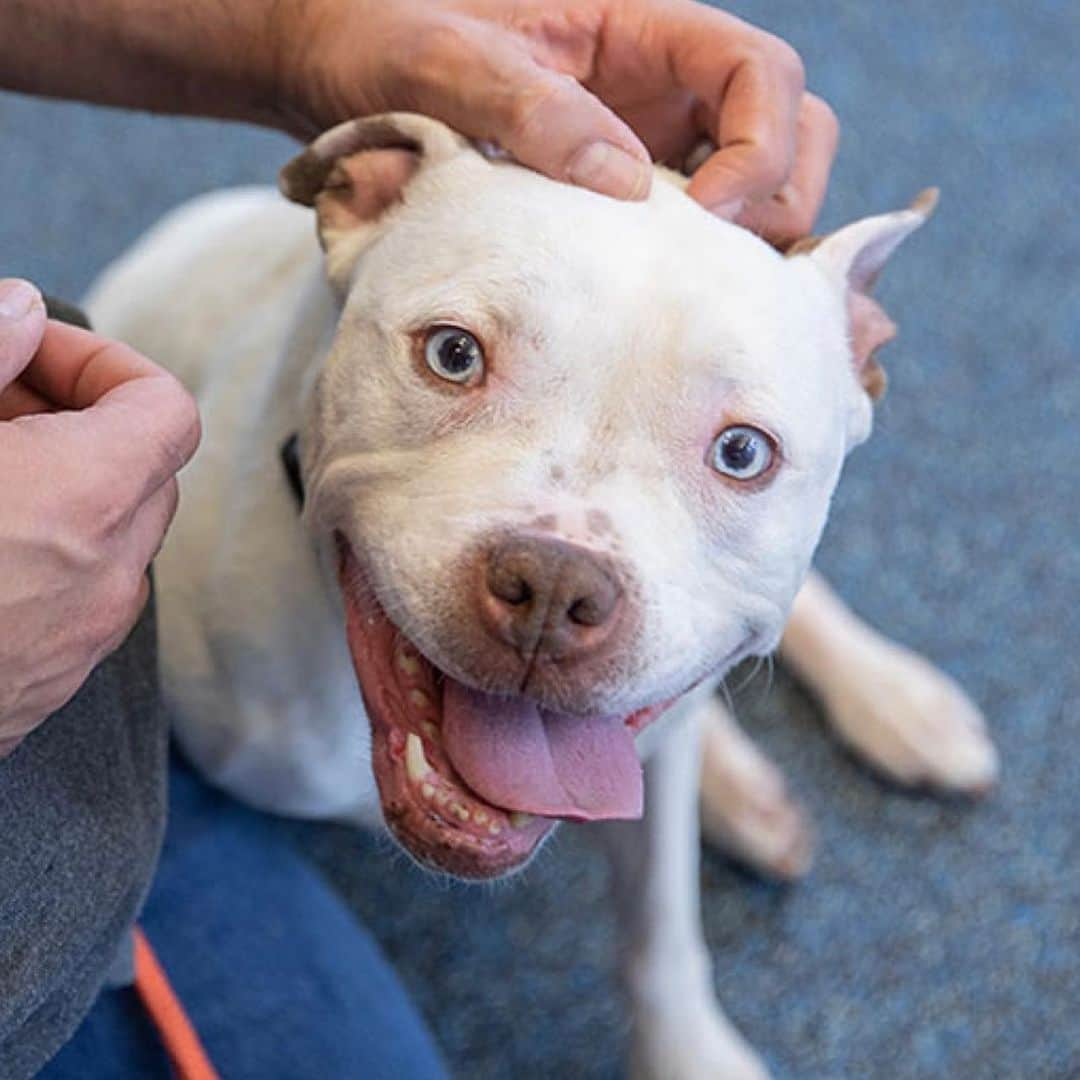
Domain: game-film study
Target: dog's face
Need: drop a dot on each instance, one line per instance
(575, 455)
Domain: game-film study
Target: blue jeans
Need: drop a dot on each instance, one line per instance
(277, 976)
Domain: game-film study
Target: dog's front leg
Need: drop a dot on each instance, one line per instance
(745, 806)
(892, 706)
(679, 1032)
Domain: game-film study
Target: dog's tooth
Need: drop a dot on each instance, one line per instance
(408, 664)
(459, 811)
(519, 820)
(416, 765)
(427, 790)
(429, 729)
(494, 828)
(419, 699)
(480, 816)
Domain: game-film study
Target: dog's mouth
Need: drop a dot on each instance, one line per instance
(471, 783)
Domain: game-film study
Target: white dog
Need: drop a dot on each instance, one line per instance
(565, 461)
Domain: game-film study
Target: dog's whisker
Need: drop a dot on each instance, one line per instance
(770, 668)
(749, 677)
(725, 693)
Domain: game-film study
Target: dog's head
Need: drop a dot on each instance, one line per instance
(575, 455)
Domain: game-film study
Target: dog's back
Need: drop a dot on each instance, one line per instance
(227, 292)
(188, 291)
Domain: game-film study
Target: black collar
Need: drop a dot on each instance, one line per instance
(290, 460)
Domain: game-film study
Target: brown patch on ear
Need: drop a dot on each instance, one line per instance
(926, 201)
(302, 179)
(306, 175)
(874, 380)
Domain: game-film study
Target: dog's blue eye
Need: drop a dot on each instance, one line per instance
(454, 354)
(742, 452)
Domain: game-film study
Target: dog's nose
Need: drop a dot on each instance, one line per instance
(549, 599)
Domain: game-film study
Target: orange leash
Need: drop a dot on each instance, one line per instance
(167, 1014)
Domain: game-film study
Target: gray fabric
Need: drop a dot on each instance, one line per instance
(82, 808)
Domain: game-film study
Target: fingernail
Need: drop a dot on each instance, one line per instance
(728, 210)
(17, 297)
(611, 171)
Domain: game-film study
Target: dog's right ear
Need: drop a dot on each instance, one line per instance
(356, 172)
(852, 258)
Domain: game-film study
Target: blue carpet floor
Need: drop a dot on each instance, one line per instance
(932, 939)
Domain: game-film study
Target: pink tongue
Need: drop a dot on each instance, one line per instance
(520, 757)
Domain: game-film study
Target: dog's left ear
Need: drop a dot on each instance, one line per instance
(853, 258)
(355, 173)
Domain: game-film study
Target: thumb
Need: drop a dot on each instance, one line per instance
(22, 324)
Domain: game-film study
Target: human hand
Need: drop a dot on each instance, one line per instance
(91, 437)
(588, 91)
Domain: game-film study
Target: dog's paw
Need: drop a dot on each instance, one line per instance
(745, 806)
(913, 723)
(693, 1041)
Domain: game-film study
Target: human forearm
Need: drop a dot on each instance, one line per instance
(588, 91)
(200, 57)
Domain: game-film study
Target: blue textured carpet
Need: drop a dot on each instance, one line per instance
(931, 939)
